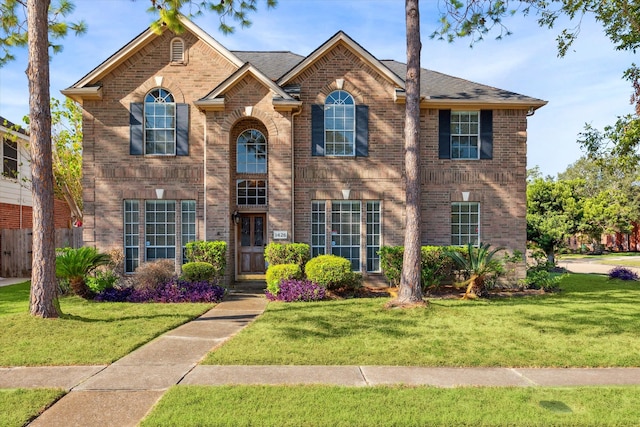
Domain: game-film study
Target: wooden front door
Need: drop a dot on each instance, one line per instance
(251, 242)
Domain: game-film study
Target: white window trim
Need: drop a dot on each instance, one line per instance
(478, 224)
(353, 154)
(477, 113)
(175, 124)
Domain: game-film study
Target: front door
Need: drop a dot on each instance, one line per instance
(251, 239)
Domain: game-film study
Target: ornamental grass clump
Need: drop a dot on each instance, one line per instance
(172, 291)
(622, 273)
(297, 290)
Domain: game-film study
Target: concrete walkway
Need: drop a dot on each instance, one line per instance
(121, 394)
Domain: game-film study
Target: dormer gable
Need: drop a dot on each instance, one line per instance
(215, 100)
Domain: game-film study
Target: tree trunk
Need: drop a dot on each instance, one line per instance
(410, 292)
(44, 288)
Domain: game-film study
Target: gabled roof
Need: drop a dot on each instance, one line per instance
(88, 86)
(215, 98)
(9, 127)
(340, 37)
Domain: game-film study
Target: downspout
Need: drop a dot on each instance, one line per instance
(204, 181)
(293, 175)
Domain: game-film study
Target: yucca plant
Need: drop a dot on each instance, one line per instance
(75, 264)
(479, 264)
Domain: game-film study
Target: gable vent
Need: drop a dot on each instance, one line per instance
(177, 50)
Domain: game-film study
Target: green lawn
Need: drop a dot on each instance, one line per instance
(89, 333)
(395, 406)
(592, 322)
(622, 262)
(19, 406)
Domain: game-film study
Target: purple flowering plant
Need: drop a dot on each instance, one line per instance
(297, 290)
(174, 290)
(622, 273)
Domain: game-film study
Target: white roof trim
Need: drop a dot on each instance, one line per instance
(328, 45)
(145, 37)
(8, 131)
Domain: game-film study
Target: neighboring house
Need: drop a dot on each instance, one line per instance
(16, 202)
(185, 140)
(15, 177)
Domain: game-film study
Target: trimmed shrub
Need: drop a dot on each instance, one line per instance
(215, 253)
(391, 263)
(542, 279)
(172, 291)
(150, 275)
(297, 290)
(288, 253)
(198, 271)
(278, 273)
(622, 273)
(332, 272)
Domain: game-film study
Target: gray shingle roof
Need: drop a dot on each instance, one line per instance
(433, 85)
(272, 64)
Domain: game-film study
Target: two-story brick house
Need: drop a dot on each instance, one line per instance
(185, 140)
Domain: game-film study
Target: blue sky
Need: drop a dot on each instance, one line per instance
(584, 87)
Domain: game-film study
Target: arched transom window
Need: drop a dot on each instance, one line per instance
(160, 122)
(251, 155)
(339, 124)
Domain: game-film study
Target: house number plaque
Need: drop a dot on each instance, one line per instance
(279, 235)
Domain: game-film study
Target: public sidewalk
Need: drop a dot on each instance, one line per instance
(121, 394)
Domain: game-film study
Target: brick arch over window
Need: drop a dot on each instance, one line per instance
(347, 86)
(272, 133)
(167, 83)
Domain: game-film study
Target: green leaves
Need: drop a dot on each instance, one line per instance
(13, 26)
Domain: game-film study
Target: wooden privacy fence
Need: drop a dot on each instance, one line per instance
(16, 249)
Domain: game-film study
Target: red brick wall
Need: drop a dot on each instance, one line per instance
(10, 216)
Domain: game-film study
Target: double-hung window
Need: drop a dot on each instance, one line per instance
(465, 223)
(9, 158)
(465, 134)
(159, 122)
(465, 131)
(339, 124)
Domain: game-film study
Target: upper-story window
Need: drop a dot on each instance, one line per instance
(159, 122)
(251, 155)
(177, 51)
(9, 158)
(339, 124)
(465, 132)
(251, 168)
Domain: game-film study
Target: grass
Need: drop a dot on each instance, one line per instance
(395, 406)
(89, 333)
(598, 257)
(592, 323)
(622, 262)
(19, 406)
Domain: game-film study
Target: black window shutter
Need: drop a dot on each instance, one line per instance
(362, 130)
(135, 129)
(486, 134)
(444, 134)
(317, 130)
(182, 129)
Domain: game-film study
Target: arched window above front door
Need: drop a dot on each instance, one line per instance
(251, 155)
